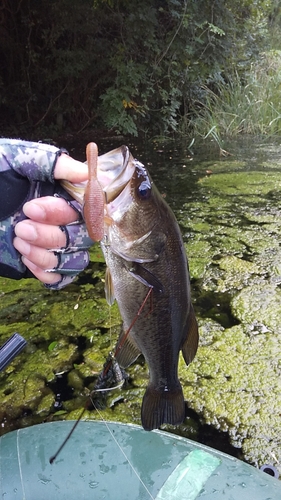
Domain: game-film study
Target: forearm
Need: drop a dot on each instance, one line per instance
(29, 171)
(33, 160)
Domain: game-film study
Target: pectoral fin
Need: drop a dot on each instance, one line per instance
(190, 345)
(144, 276)
(126, 351)
(109, 288)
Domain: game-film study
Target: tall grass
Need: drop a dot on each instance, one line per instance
(250, 104)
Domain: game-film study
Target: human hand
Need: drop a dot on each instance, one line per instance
(53, 239)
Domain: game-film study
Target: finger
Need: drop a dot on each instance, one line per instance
(45, 277)
(40, 235)
(38, 256)
(70, 169)
(50, 210)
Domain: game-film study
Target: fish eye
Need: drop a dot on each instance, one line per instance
(144, 190)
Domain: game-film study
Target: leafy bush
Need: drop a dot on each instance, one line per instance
(124, 65)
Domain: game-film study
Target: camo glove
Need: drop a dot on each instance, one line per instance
(27, 172)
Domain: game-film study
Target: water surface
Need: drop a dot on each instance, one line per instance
(228, 208)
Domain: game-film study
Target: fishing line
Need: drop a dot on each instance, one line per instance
(133, 322)
(124, 338)
(53, 457)
(123, 452)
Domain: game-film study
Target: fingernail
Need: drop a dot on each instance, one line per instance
(21, 246)
(34, 211)
(26, 231)
(32, 267)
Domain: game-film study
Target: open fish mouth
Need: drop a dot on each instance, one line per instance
(114, 171)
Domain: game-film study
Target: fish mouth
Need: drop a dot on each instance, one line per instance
(114, 171)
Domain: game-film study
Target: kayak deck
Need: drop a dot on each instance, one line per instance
(106, 460)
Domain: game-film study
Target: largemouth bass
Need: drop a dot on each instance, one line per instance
(147, 274)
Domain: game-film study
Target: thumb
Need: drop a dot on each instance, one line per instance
(69, 169)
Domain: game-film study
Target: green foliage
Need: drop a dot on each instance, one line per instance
(249, 106)
(123, 65)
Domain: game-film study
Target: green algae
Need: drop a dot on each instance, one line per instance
(199, 257)
(23, 387)
(236, 185)
(46, 405)
(258, 307)
(231, 231)
(44, 317)
(234, 382)
(236, 273)
(75, 380)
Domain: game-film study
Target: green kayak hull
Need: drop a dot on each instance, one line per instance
(112, 461)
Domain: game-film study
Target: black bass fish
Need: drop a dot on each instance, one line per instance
(147, 274)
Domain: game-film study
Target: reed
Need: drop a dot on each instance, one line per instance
(250, 104)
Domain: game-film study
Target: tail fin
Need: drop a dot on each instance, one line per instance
(162, 407)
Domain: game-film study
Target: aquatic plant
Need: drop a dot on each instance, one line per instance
(248, 104)
(231, 223)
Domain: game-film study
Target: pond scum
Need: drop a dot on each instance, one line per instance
(232, 232)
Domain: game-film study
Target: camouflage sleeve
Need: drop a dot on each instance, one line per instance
(33, 160)
(26, 172)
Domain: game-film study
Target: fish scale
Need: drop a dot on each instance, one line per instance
(145, 250)
(147, 274)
